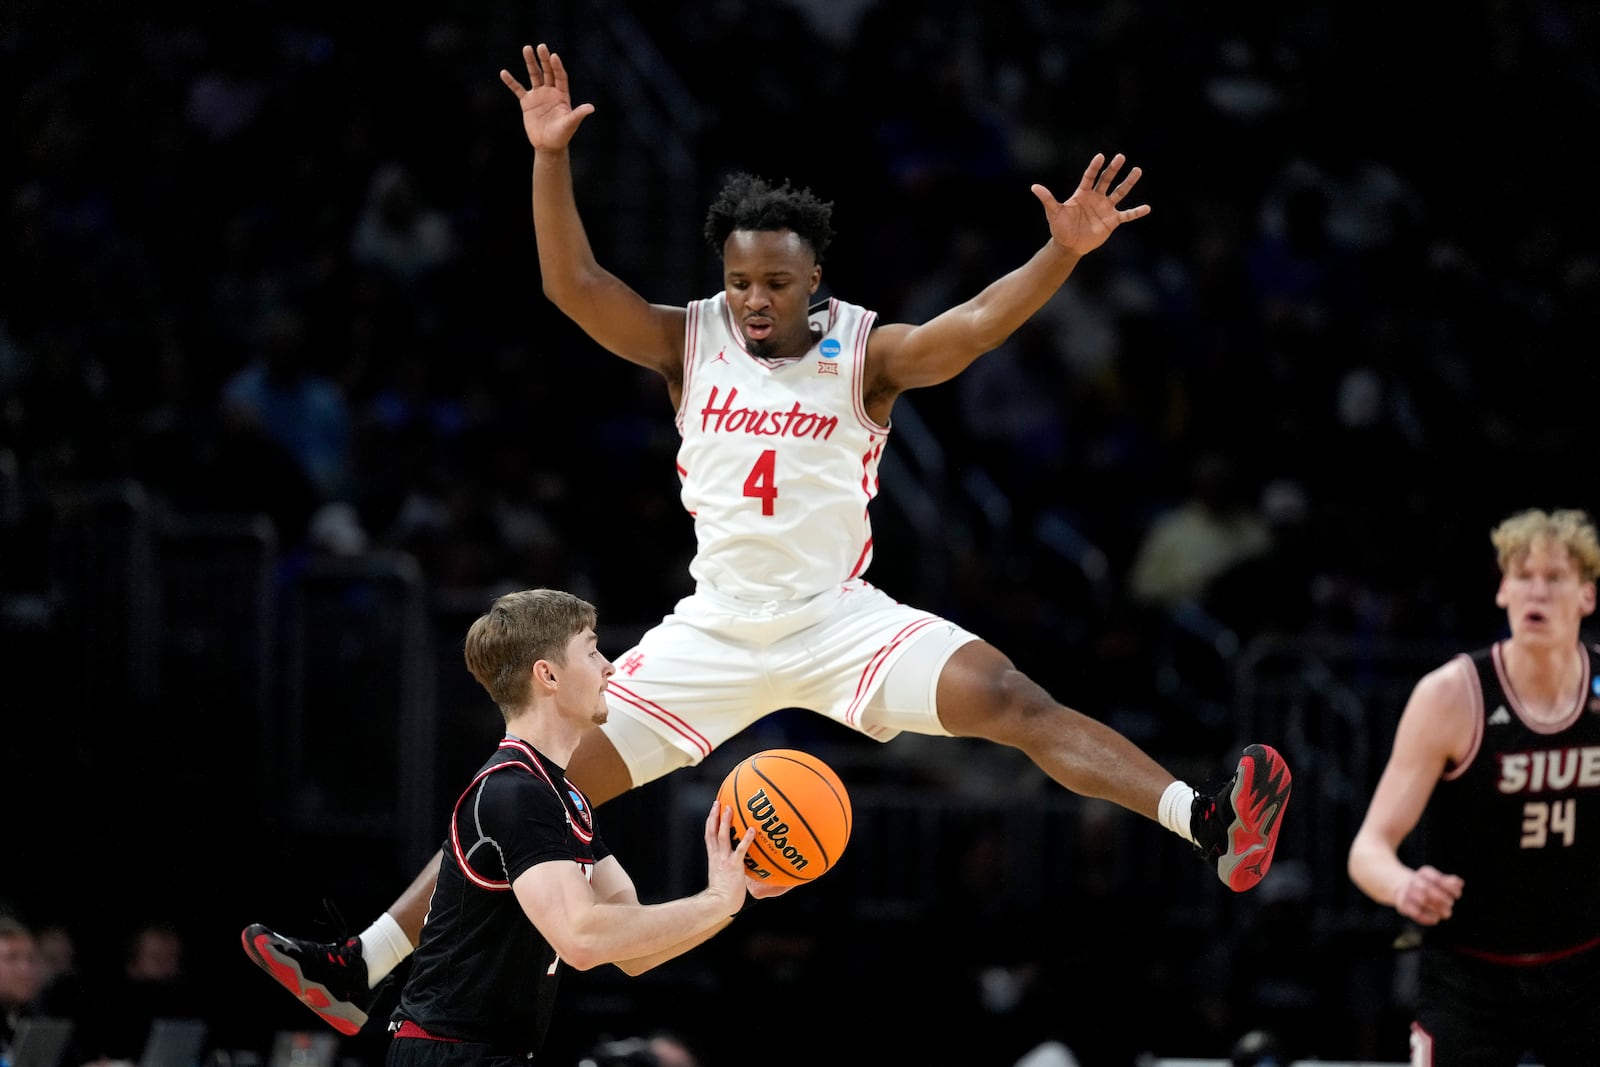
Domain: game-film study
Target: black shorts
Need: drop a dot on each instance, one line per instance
(1472, 1013)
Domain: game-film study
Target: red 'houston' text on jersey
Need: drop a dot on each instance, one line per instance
(779, 459)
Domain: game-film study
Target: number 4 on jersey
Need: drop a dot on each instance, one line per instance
(762, 481)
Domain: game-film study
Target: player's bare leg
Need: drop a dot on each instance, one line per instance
(597, 769)
(982, 694)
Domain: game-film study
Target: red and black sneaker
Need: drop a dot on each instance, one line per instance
(1236, 826)
(329, 977)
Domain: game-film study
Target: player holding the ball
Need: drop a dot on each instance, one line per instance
(799, 809)
(527, 886)
(784, 417)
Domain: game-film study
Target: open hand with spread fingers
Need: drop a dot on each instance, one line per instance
(1082, 222)
(547, 112)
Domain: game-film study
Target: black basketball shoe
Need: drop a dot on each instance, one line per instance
(329, 977)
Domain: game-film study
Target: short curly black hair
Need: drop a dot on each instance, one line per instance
(747, 202)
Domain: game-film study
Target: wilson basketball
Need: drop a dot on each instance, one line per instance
(799, 808)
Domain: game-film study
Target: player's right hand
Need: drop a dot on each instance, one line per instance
(1428, 896)
(760, 888)
(725, 856)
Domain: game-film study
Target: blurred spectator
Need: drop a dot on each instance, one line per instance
(62, 993)
(1216, 526)
(335, 530)
(153, 983)
(1048, 1054)
(659, 1049)
(1298, 270)
(1284, 969)
(398, 233)
(58, 953)
(281, 394)
(1275, 590)
(21, 978)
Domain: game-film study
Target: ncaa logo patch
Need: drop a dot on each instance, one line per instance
(830, 348)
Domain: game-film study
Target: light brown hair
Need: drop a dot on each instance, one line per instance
(1569, 528)
(517, 631)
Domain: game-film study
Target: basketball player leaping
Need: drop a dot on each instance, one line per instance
(782, 429)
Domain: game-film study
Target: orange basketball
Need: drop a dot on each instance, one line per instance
(799, 808)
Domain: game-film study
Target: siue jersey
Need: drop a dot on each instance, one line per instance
(1519, 821)
(483, 973)
(779, 459)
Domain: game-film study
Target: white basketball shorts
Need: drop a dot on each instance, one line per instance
(716, 665)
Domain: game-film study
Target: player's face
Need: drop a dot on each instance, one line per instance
(584, 678)
(1544, 597)
(769, 276)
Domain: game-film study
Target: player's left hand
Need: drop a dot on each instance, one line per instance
(1082, 222)
(548, 116)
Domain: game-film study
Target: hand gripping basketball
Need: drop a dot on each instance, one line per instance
(800, 810)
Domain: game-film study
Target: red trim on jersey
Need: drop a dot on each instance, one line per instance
(874, 665)
(1516, 700)
(1526, 959)
(869, 477)
(833, 314)
(534, 764)
(690, 337)
(584, 833)
(1476, 696)
(661, 715)
(861, 561)
(858, 371)
(526, 749)
(455, 837)
(869, 489)
(407, 1028)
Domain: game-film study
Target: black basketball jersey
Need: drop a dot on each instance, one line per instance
(1519, 821)
(482, 972)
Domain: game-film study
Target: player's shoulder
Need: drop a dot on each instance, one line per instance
(516, 776)
(510, 798)
(1440, 720)
(1447, 679)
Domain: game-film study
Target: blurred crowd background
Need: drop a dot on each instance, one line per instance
(269, 275)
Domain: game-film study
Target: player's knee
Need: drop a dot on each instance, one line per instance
(1001, 705)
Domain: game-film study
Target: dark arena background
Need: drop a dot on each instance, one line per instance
(1359, 320)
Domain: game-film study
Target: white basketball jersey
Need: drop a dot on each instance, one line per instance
(779, 459)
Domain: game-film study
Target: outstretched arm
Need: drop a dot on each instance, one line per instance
(608, 310)
(601, 921)
(906, 357)
(1435, 728)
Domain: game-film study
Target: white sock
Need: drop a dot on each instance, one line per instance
(1176, 804)
(383, 946)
